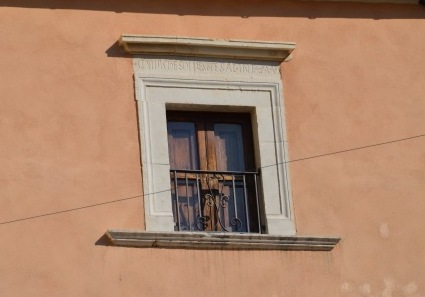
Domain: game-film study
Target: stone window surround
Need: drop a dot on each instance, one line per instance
(263, 99)
(259, 95)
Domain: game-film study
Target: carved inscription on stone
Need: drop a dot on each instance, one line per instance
(206, 67)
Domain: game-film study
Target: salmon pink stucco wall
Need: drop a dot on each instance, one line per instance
(70, 156)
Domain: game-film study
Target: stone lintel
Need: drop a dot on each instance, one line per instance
(205, 47)
(216, 240)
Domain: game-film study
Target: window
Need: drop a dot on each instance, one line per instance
(203, 75)
(176, 76)
(214, 184)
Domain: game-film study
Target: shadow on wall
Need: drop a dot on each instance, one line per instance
(115, 51)
(103, 241)
(242, 8)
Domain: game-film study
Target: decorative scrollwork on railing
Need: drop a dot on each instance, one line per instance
(217, 201)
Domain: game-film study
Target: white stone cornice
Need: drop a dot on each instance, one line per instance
(214, 240)
(204, 47)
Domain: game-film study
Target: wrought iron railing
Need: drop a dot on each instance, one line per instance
(223, 201)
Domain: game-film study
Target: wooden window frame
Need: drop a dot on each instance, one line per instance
(205, 136)
(206, 160)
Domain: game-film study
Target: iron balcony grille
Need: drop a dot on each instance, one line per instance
(222, 201)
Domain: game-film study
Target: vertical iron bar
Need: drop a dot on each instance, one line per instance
(257, 202)
(188, 200)
(177, 200)
(246, 204)
(234, 196)
(199, 198)
(235, 204)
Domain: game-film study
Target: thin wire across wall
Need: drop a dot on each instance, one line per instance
(167, 190)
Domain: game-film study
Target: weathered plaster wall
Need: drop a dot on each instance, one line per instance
(354, 94)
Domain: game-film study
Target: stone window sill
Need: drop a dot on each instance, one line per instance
(216, 240)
